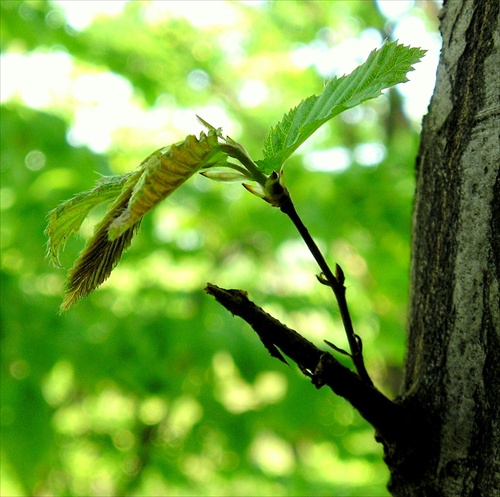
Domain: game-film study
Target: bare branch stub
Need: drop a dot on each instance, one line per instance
(323, 369)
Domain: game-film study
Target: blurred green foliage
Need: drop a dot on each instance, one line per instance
(147, 387)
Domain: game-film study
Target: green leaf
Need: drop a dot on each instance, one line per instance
(67, 217)
(384, 68)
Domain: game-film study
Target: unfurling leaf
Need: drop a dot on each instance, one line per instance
(100, 255)
(134, 194)
(163, 172)
(67, 217)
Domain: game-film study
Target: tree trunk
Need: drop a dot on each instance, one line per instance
(452, 381)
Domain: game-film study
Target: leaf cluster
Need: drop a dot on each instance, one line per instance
(166, 169)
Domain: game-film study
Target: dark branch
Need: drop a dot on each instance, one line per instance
(336, 283)
(323, 369)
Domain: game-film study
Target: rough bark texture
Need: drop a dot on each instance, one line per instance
(452, 383)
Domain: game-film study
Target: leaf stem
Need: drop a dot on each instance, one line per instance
(239, 153)
(336, 283)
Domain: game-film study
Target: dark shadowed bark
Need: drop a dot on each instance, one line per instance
(453, 363)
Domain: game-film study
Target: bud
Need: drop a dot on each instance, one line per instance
(256, 189)
(275, 188)
(339, 273)
(224, 176)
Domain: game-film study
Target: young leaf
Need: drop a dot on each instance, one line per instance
(134, 194)
(100, 255)
(384, 68)
(163, 172)
(67, 217)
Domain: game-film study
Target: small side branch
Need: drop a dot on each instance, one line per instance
(323, 369)
(335, 282)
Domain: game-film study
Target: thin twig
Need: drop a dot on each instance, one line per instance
(335, 283)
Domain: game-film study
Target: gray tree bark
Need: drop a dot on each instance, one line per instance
(452, 380)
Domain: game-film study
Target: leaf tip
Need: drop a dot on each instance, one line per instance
(67, 303)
